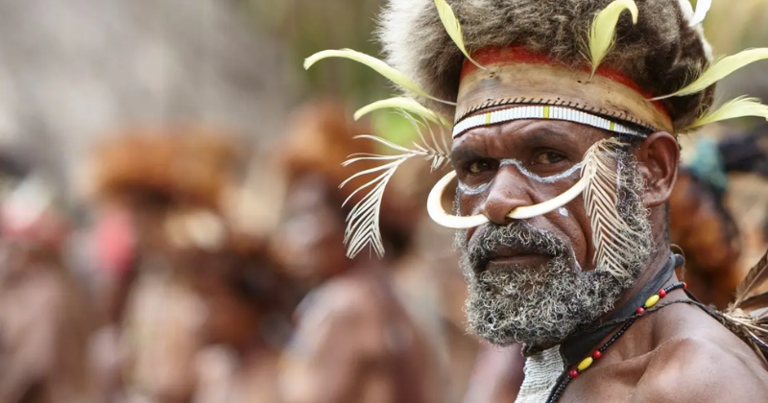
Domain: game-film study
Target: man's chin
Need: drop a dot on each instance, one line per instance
(536, 304)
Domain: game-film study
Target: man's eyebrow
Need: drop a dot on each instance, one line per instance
(537, 136)
(464, 154)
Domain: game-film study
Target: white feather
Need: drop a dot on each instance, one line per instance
(612, 237)
(702, 8)
(363, 220)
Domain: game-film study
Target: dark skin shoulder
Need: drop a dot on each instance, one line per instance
(678, 353)
(337, 334)
(703, 362)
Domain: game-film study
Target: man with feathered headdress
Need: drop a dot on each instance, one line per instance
(44, 319)
(156, 190)
(564, 116)
(248, 302)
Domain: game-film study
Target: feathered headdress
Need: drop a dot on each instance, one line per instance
(747, 316)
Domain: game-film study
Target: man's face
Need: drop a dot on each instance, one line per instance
(229, 318)
(311, 238)
(534, 281)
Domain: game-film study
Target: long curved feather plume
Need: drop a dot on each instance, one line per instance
(611, 235)
(735, 108)
(453, 28)
(409, 105)
(748, 314)
(603, 29)
(379, 66)
(719, 70)
(702, 8)
(755, 278)
(363, 220)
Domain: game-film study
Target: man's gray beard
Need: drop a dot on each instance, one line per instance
(542, 306)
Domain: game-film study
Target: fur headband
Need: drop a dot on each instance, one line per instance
(661, 53)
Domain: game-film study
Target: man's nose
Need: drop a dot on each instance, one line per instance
(508, 192)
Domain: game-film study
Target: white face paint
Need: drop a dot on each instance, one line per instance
(478, 189)
(563, 212)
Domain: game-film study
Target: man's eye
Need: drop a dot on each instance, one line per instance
(548, 158)
(479, 167)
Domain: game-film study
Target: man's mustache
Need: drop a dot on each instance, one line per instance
(489, 241)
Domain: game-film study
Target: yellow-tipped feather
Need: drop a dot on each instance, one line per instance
(453, 28)
(736, 108)
(379, 66)
(407, 104)
(702, 8)
(719, 70)
(604, 29)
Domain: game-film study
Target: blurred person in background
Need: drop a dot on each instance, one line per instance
(152, 318)
(45, 322)
(497, 376)
(700, 221)
(355, 340)
(248, 305)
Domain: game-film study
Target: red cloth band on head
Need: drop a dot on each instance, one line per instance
(520, 55)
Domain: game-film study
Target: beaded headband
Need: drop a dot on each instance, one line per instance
(545, 112)
(504, 84)
(534, 87)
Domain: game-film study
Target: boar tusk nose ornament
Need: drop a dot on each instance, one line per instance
(441, 217)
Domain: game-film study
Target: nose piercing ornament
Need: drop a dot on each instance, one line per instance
(441, 217)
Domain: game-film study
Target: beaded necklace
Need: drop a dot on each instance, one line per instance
(587, 362)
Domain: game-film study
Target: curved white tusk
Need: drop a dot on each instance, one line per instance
(441, 217)
(552, 204)
(437, 212)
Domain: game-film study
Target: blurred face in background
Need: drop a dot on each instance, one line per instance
(230, 318)
(311, 239)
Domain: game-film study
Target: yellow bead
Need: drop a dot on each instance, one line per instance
(652, 301)
(584, 364)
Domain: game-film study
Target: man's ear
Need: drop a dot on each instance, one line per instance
(659, 157)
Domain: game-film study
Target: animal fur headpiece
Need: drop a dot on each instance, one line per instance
(318, 141)
(165, 167)
(630, 67)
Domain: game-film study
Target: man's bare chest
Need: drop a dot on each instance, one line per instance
(615, 383)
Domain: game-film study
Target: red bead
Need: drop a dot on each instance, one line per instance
(574, 373)
(597, 355)
(685, 286)
(662, 294)
(640, 311)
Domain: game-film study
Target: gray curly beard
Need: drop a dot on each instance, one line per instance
(542, 306)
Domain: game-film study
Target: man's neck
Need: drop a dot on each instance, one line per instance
(657, 263)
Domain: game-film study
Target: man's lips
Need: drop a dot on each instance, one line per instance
(527, 259)
(504, 257)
